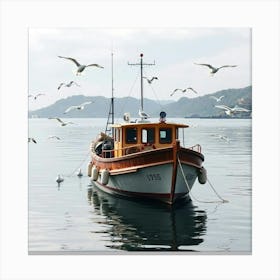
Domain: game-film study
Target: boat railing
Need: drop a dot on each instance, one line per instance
(138, 148)
(196, 148)
(127, 150)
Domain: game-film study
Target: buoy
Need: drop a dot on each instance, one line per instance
(202, 175)
(89, 167)
(79, 173)
(105, 176)
(59, 179)
(94, 173)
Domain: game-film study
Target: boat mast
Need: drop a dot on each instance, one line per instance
(141, 80)
(111, 114)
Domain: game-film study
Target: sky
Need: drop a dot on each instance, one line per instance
(174, 51)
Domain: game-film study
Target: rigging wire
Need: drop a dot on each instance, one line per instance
(157, 99)
(129, 94)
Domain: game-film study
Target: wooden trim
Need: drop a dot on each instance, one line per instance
(149, 158)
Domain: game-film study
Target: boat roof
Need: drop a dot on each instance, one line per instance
(148, 124)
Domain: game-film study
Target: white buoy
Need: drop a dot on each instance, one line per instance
(94, 173)
(89, 167)
(59, 179)
(202, 175)
(105, 176)
(79, 173)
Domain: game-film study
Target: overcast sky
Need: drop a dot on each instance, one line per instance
(174, 50)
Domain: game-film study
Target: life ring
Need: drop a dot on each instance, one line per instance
(148, 146)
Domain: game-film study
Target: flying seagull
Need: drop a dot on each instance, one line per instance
(222, 137)
(150, 80)
(80, 67)
(32, 140)
(231, 111)
(62, 122)
(35, 96)
(214, 69)
(54, 137)
(78, 107)
(183, 90)
(67, 85)
(143, 115)
(216, 98)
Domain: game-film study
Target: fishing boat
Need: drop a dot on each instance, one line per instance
(143, 159)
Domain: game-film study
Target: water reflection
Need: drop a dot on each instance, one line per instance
(150, 226)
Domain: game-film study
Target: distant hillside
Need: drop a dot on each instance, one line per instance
(185, 107)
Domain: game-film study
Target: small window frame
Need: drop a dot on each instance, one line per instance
(147, 129)
(130, 141)
(169, 134)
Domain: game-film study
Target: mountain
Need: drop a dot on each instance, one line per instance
(202, 106)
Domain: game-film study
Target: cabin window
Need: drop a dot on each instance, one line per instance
(165, 135)
(148, 135)
(131, 135)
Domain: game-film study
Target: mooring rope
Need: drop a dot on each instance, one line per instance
(201, 201)
(79, 166)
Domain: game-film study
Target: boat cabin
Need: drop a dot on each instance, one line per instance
(136, 137)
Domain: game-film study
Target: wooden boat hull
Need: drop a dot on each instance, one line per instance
(151, 174)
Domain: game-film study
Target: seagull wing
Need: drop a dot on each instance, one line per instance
(86, 103)
(224, 107)
(192, 89)
(240, 109)
(72, 59)
(72, 82)
(208, 65)
(59, 87)
(58, 120)
(70, 108)
(30, 95)
(214, 97)
(227, 66)
(96, 65)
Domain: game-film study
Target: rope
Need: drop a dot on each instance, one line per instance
(201, 201)
(78, 165)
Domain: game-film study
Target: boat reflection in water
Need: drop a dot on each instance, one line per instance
(147, 226)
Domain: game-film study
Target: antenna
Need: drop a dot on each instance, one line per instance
(141, 67)
(108, 129)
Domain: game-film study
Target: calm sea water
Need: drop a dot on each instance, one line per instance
(77, 218)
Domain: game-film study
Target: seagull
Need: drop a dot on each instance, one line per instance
(54, 137)
(183, 90)
(231, 111)
(79, 173)
(80, 68)
(62, 122)
(214, 69)
(35, 96)
(150, 80)
(222, 137)
(78, 107)
(216, 98)
(143, 115)
(32, 140)
(59, 179)
(67, 85)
